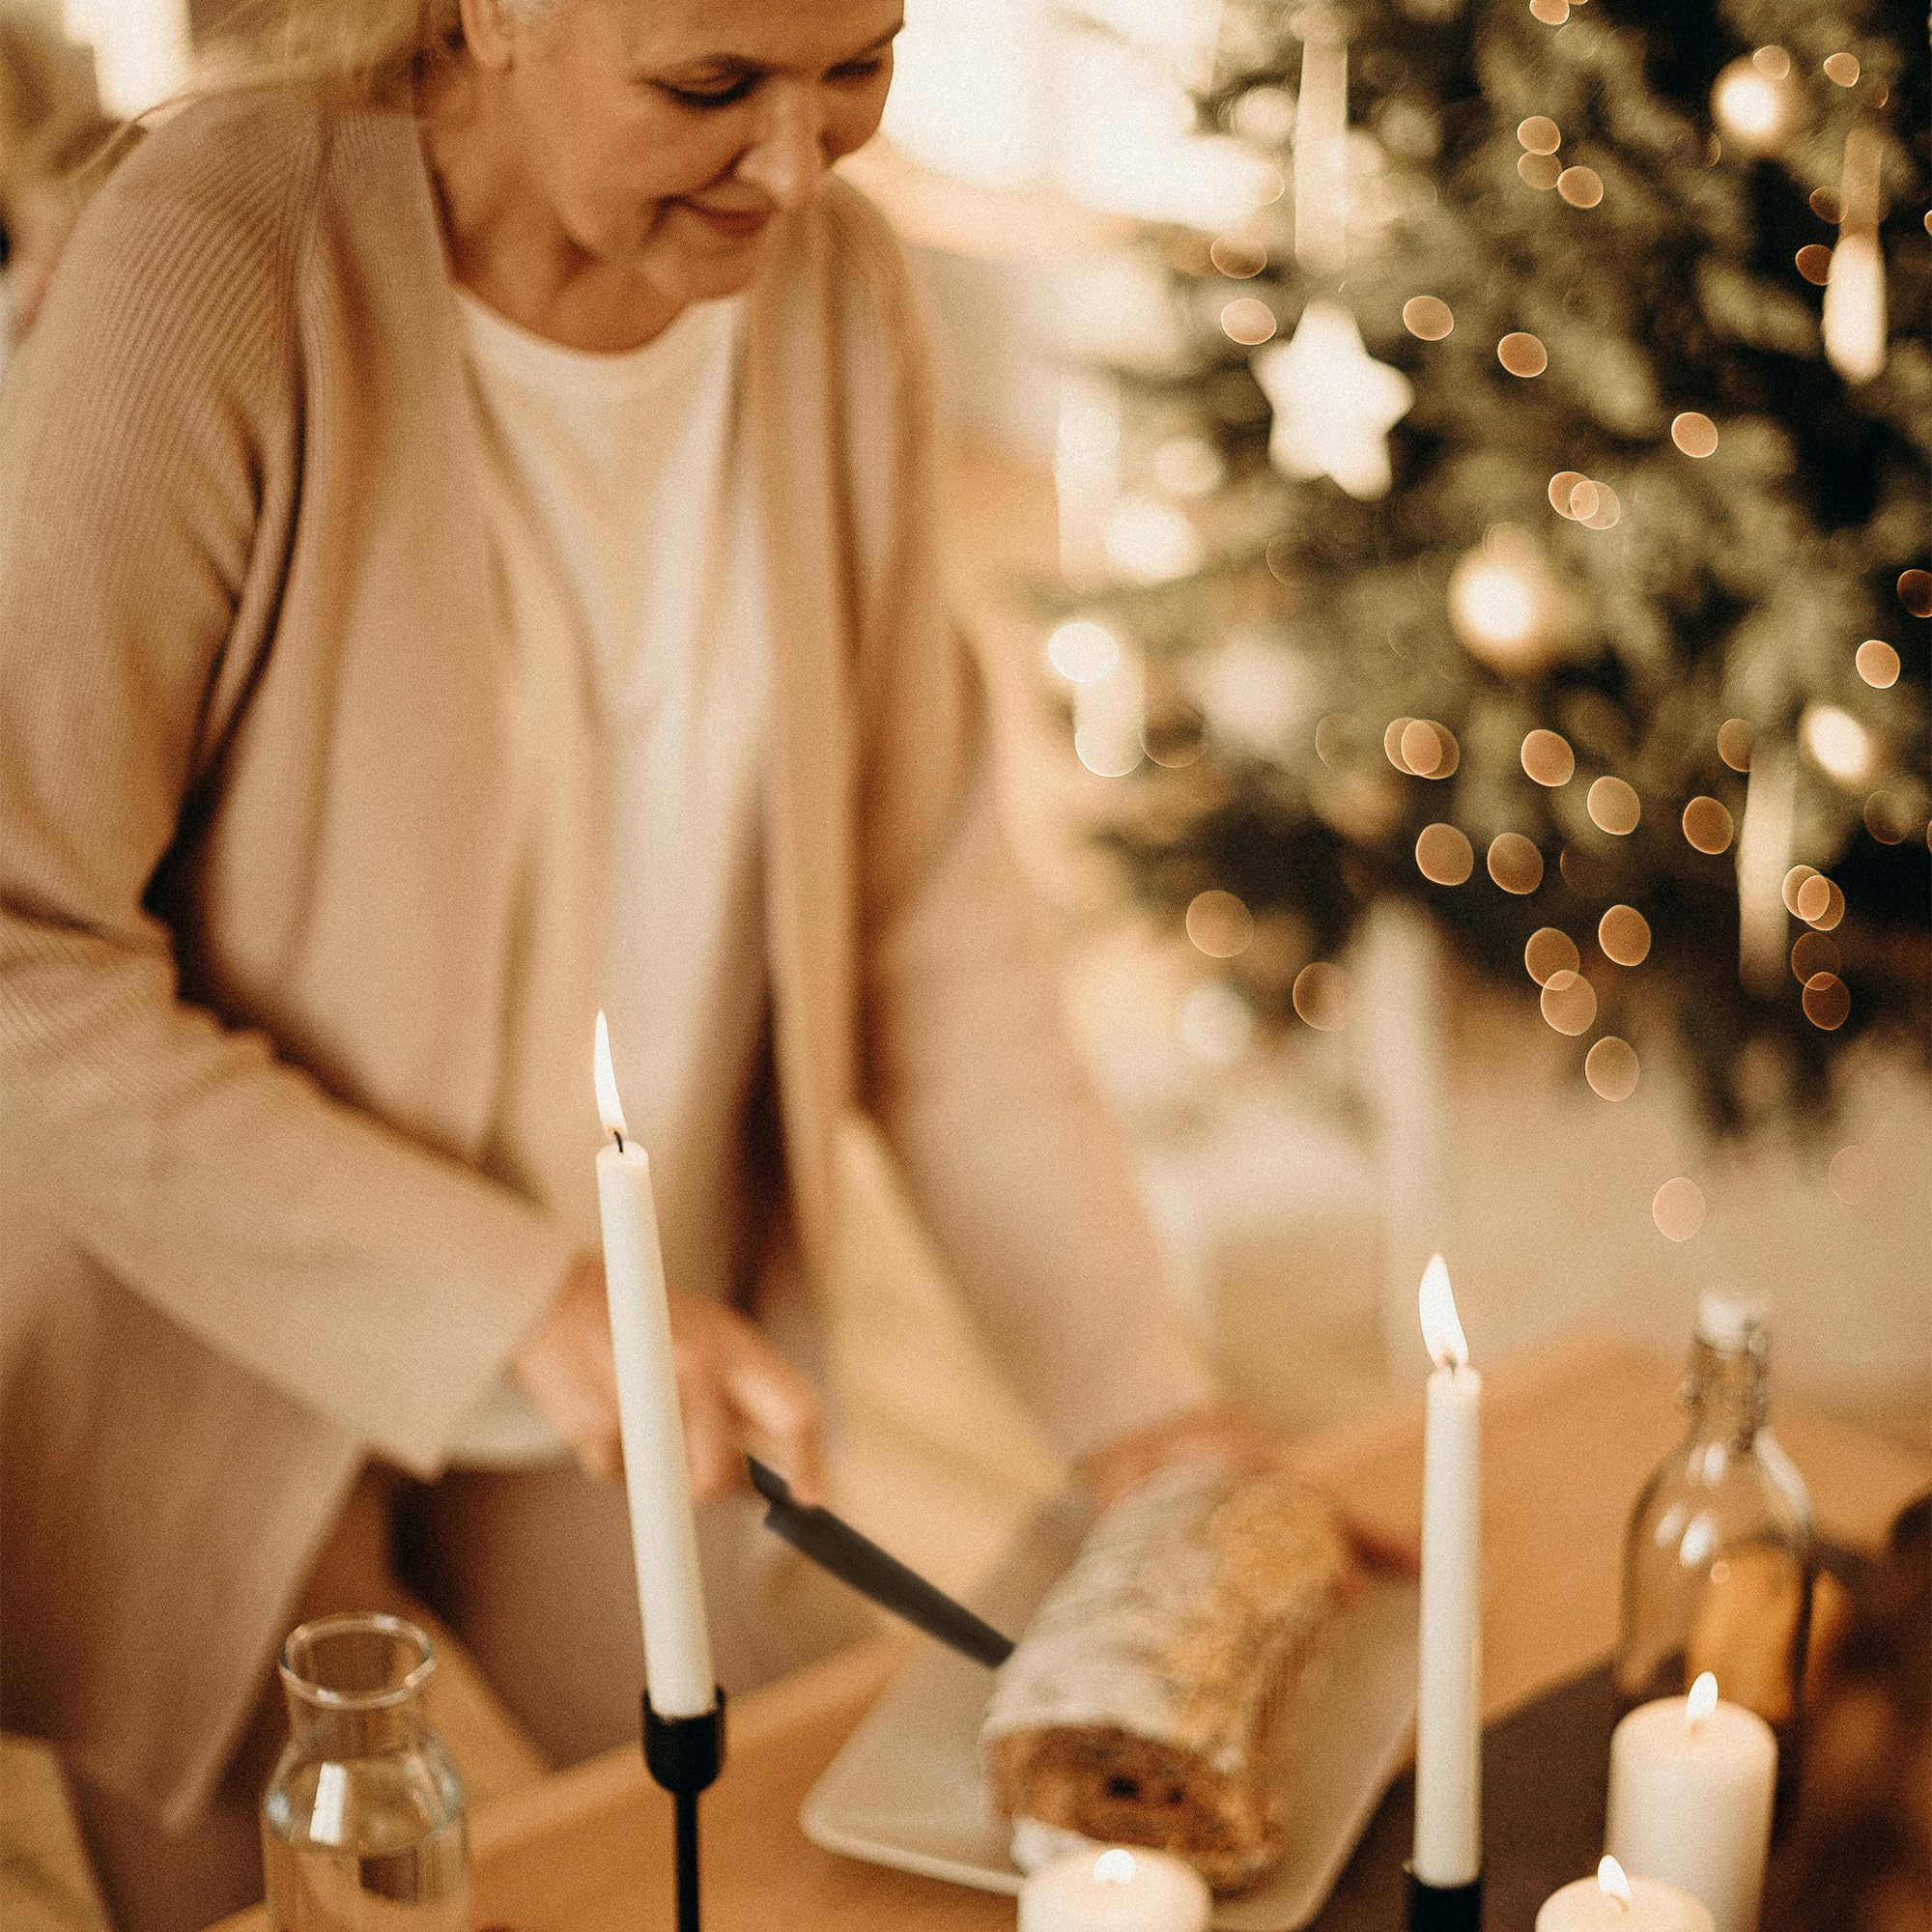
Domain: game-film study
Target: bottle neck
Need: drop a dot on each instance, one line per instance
(1727, 1388)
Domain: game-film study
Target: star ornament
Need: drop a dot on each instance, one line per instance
(1334, 404)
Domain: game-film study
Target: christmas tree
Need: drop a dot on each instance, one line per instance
(1531, 525)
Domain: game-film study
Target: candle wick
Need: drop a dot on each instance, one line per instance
(618, 1134)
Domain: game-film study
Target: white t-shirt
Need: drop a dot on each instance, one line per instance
(619, 511)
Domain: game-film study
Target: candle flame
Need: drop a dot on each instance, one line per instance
(1610, 1877)
(607, 1103)
(1115, 1867)
(1702, 1700)
(1441, 1327)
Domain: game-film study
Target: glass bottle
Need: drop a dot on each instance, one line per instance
(1719, 1558)
(362, 1823)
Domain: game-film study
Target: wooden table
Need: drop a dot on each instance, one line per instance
(1568, 1434)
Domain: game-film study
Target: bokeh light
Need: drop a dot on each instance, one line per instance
(1427, 317)
(1551, 13)
(1219, 923)
(1878, 664)
(1334, 734)
(1611, 1067)
(1678, 1208)
(1887, 817)
(1623, 934)
(1827, 1002)
(1694, 433)
(1821, 904)
(1734, 744)
(1392, 742)
(1614, 807)
(1539, 171)
(1547, 757)
(1082, 651)
(1813, 262)
(1915, 591)
(1756, 109)
(1853, 1173)
(1708, 825)
(1561, 487)
(1825, 205)
(1443, 855)
(1248, 321)
(1580, 188)
(1836, 741)
(1843, 69)
(1515, 864)
(1522, 354)
(1600, 510)
(1540, 134)
(1324, 996)
(1812, 953)
(1568, 1002)
(1549, 951)
(1429, 750)
(1794, 884)
(1237, 257)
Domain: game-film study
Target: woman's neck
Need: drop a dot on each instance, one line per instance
(506, 245)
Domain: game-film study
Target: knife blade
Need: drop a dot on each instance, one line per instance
(855, 1560)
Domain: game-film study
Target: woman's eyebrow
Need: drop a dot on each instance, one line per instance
(746, 64)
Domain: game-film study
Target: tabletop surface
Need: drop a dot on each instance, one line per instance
(1570, 1433)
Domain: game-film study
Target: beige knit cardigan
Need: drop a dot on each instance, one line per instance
(255, 877)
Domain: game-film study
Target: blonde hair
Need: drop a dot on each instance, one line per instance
(369, 49)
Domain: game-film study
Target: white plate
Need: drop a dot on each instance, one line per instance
(905, 1790)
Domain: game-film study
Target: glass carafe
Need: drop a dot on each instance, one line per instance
(362, 1823)
(1718, 1559)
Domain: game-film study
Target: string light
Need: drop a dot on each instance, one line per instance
(1757, 106)
(1504, 604)
(1877, 663)
(1694, 433)
(1611, 1066)
(1678, 1208)
(1838, 744)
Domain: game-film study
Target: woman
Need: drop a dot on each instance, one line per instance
(467, 557)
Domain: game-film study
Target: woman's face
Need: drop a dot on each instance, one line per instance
(663, 135)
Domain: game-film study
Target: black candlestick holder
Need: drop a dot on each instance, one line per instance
(685, 1755)
(1444, 1908)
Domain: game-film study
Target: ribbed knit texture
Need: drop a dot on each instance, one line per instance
(255, 874)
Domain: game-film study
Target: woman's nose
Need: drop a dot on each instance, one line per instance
(788, 157)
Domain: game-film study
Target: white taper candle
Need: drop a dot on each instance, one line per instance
(657, 1480)
(1449, 1692)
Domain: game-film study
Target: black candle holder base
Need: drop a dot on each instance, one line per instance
(685, 1755)
(1445, 1908)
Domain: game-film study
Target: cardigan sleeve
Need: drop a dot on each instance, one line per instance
(1010, 1156)
(148, 433)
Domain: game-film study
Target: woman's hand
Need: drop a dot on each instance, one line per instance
(1214, 1434)
(736, 1391)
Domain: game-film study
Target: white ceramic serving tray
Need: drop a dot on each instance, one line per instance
(905, 1790)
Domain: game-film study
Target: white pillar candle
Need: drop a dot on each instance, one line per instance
(1691, 1792)
(1114, 1890)
(1449, 1688)
(657, 1480)
(1609, 1902)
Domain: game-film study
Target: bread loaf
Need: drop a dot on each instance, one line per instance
(1140, 1705)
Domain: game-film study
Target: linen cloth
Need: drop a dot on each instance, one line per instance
(256, 875)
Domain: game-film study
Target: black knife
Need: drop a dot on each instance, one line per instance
(835, 1546)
